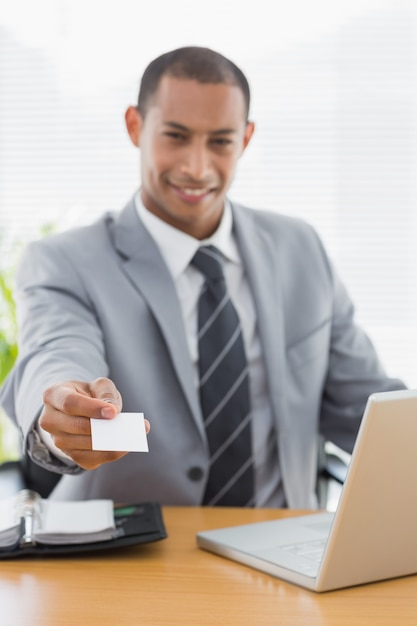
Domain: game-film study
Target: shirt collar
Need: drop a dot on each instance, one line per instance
(178, 248)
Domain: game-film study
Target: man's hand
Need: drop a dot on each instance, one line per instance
(68, 407)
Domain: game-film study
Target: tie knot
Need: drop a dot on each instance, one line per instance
(207, 259)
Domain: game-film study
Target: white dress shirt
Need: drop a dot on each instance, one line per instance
(177, 249)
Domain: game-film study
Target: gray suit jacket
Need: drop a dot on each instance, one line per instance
(99, 301)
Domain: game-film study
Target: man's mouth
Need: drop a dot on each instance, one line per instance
(194, 194)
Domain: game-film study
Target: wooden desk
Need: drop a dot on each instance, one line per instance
(172, 582)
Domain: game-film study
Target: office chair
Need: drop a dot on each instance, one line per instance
(332, 468)
(25, 474)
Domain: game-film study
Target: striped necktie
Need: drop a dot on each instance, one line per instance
(224, 388)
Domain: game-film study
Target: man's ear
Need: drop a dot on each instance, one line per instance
(133, 121)
(250, 129)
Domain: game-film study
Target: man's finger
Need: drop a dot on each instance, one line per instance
(105, 390)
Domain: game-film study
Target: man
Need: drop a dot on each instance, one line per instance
(109, 316)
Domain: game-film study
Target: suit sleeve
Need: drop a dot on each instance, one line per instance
(59, 339)
(354, 372)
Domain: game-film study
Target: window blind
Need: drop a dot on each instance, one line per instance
(334, 101)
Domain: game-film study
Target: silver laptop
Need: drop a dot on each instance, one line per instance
(373, 533)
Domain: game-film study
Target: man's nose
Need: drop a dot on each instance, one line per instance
(197, 161)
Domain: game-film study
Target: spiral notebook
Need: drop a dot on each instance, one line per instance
(372, 534)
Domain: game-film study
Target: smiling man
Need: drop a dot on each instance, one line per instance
(190, 135)
(228, 327)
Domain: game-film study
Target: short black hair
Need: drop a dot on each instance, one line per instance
(192, 62)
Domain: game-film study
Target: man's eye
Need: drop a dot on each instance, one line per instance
(174, 135)
(220, 141)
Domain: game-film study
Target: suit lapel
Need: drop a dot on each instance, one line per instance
(261, 251)
(147, 271)
(258, 247)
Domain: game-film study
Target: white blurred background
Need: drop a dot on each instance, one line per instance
(334, 87)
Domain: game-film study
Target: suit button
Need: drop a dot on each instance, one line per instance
(195, 474)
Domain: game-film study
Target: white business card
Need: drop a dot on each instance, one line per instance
(124, 433)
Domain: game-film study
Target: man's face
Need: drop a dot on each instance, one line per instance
(190, 141)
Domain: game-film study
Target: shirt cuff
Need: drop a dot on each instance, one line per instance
(50, 458)
(46, 438)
